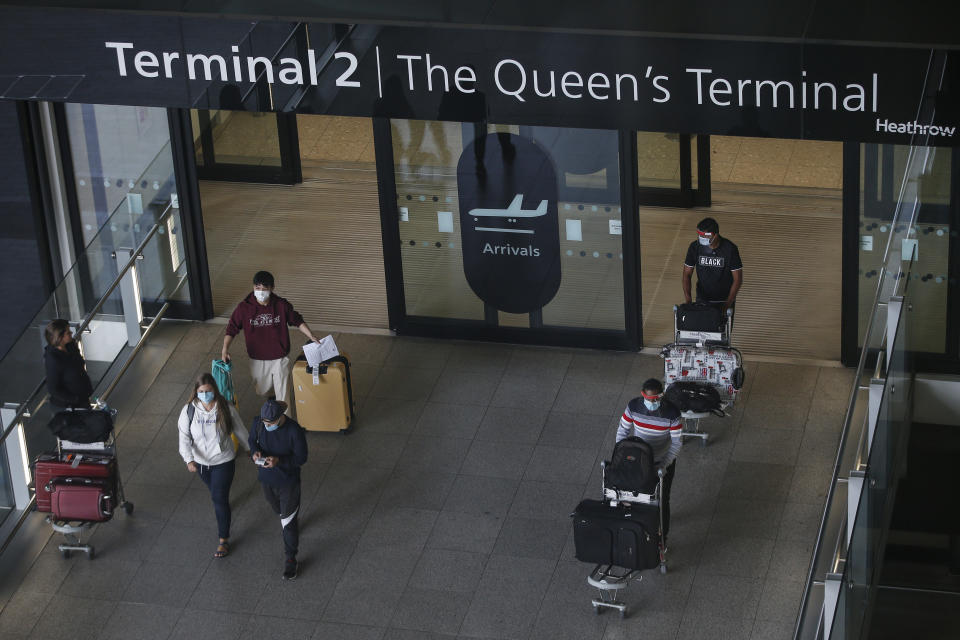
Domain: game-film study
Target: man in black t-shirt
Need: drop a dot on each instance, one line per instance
(719, 270)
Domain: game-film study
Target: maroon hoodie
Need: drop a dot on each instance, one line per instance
(264, 327)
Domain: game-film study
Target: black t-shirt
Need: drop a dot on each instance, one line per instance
(715, 268)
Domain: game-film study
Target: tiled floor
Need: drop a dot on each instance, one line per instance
(446, 512)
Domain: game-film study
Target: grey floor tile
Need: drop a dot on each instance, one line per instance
(380, 567)
(23, 611)
(481, 495)
(162, 467)
(780, 601)
(481, 358)
(765, 411)
(369, 605)
(455, 420)
(194, 509)
(526, 391)
(472, 532)
(773, 446)
(430, 354)
(600, 366)
(818, 447)
(276, 626)
(756, 481)
(560, 621)
(577, 430)
(394, 633)
(230, 586)
(696, 626)
(85, 617)
(323, 446)
(436, 455)
(785, 379)
(588, 396)
(508, 424)
(104, 579)
(747, 518)
(46, 574)
(163, 397)
(160, 584)
(196, 623)
(365, 348)
(465, 387)
(541, 362)
(501, 606)
(405, 383)
(333, 631)
(822, 418)
(397, 526)
(545, 500)
(800, 521)
(530, 538)
(741, 556)
(834, 385)
(430, 610)
(177, 545)
(364, 450)
(719, 597)
(417, 489)
(363, 375)
(140, 621)
(770, 630)
(791, 559)
(449, 570)
(810, 483)
(560, 464)
(390, 416)
(496, 459)
(641, 622)
(644, 367)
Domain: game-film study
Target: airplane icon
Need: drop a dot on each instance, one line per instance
(513, 210)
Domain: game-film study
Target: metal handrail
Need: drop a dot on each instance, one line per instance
(89, 317)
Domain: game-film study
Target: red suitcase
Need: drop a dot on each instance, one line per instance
(51, 465)
(86, 499)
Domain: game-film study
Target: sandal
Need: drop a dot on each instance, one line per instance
(223, 549)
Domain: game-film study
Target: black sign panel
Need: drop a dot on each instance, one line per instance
(749, 88)
(507, 189)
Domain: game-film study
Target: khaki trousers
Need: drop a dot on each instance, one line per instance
(272, 378)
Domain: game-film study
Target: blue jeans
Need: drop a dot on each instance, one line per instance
(218, 479)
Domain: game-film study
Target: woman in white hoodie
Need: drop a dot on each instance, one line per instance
(206, 424)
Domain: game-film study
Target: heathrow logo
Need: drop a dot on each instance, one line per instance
(507, 190)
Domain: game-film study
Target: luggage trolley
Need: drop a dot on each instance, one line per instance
(53, 473)
(701, 354)
(621, 494)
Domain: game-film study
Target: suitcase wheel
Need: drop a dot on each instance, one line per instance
(128, 508)
(90, 554)
(596, 609)
(663, 567)
(65, 553)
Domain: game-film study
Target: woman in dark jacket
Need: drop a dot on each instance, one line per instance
(67, 380)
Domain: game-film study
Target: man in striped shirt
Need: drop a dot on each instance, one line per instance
(658, 422)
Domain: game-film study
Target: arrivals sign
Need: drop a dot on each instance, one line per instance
(751, 88)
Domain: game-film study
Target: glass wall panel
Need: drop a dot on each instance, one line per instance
(541, 231)
(882, 172)
(114, 151)
(658, 160)
(238, 137)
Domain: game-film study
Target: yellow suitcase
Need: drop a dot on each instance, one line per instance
(325, 400)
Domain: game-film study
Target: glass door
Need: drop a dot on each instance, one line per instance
(246, 146)
(673, 169)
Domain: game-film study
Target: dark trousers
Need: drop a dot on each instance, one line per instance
(665, 498)
(285, 502)
(218, 479)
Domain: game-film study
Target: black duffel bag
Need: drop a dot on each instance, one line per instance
(695, 397)
(699, 316)
(82, 425)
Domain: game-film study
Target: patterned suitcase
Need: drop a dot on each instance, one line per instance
(49, 466)
(718, 367)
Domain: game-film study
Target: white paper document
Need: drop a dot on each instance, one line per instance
(317, 353)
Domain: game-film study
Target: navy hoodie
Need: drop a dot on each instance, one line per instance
(67, 379)
(288, 442)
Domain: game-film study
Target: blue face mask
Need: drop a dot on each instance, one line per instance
(271, 427)
(651, 405)
(206, 397)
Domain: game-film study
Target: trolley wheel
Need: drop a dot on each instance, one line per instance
(623, 613)
(663, 567)
(128, 508)
(90, 554)
(703, 443)
(596, 610)
(65, 553)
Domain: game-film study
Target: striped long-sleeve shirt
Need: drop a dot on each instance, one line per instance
(661, 428)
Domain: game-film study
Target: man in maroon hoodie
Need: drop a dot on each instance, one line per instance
(264, 318)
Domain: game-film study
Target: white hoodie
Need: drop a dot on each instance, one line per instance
(202, 442)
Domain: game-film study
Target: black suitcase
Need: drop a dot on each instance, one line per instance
(619, 536)
(700, 316)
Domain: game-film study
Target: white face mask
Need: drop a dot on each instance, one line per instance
(705, 241)
(261, 296)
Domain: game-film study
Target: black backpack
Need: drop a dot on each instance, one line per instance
(694, 396)
(631, 468)
(699, 316)
(82, 425)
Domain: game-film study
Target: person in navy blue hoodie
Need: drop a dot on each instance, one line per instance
(278, 445)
